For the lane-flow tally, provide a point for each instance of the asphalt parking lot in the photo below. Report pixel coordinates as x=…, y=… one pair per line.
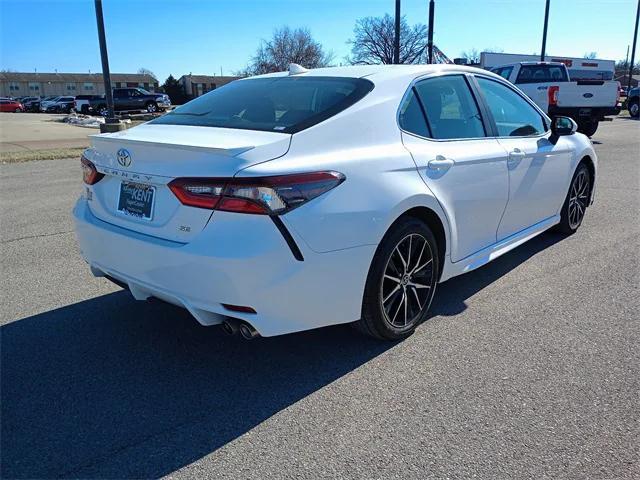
x=529, y=368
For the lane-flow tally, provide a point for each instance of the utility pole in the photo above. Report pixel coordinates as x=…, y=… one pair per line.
x=544, y=32
x=106, y=76
x=396, y=39
x=633, y=47
x=430, y=33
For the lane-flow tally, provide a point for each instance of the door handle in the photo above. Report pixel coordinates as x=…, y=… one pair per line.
x=517, y=154
x=440, y=163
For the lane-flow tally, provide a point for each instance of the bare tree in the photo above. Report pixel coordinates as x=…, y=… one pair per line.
x=373, y=41
x=473, y=55
x=146, y=71
x=590, y=55
x=285, y=47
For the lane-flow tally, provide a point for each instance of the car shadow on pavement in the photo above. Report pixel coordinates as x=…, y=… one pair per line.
x=451, y=295
x=114, y=388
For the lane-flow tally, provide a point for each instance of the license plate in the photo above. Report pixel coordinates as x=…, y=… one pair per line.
x=136, y=200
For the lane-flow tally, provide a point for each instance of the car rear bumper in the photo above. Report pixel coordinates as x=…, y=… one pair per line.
x=236, y=260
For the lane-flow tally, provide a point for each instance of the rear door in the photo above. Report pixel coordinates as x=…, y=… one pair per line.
x=539, y=170
x=466, y=170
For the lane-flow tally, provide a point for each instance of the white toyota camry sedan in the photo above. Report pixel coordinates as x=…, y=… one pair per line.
x=301, y=199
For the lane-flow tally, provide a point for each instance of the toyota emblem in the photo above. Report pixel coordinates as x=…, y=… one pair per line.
x=124, y=157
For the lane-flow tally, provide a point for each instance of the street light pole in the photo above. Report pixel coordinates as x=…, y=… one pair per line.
x=633, y=48
x=396, y=39
x=105, y=63
x=430, y=33
x=544, y=32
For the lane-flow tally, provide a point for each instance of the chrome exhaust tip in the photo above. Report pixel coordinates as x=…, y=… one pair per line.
x=248, y=332
x=229, y=327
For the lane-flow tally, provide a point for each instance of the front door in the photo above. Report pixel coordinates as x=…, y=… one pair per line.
x=539, y=171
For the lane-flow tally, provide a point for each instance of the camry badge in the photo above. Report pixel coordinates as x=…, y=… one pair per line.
x=124, y=157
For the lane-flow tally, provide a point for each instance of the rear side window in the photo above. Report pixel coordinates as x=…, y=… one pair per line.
x=513, y=115
x=411, y=117
x=542, y=74
x=450, y=108
x=279, y=104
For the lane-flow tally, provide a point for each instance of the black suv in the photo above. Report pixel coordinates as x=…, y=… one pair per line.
x=131, y=99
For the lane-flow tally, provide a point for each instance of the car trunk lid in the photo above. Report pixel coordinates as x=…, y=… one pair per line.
x=139, y=163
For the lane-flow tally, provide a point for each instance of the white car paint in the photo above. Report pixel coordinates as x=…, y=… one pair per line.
x=487, y=202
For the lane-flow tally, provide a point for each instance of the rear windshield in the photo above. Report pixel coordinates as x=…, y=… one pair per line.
x=542, y=74
x=278, y=104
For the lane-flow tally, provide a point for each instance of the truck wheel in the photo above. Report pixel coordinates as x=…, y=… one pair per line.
x=103, y=110
x=84, y=109
x=588, y=127
x=634, y=108
x=151, y=107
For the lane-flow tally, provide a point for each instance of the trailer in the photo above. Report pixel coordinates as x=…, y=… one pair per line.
x=579, y=68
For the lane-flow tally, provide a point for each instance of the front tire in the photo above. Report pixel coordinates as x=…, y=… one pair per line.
x=577, y=201
x=18, y=110
x=634, y=108
x=151, y=107
x=401, y=281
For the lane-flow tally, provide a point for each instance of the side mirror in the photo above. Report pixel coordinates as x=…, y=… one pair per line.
x=563, y=126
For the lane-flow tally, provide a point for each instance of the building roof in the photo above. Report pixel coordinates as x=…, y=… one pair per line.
x=208, y=78
x=74, y=77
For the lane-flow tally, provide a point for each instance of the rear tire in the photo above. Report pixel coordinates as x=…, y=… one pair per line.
x=401, y=282
x=634, y=108
x=588, y=127
x=577, y=201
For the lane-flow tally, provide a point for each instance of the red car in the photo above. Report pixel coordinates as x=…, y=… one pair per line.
x=10, y=106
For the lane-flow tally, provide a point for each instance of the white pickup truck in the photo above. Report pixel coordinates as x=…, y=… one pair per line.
x=548, y=84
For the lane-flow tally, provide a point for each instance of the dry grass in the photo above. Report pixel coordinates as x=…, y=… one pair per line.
x=30, y=155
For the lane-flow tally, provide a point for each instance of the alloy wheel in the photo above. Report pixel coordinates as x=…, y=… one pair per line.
x=634, y=109
x=578, y=199
x=151, y=108
x=405, y=290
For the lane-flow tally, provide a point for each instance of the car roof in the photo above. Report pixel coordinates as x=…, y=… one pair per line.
x=382, y=73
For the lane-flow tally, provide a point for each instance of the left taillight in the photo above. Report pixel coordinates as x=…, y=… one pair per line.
x=262, y=196
x=90, y=174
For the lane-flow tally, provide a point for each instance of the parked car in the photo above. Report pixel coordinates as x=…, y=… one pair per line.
x=58, y=105
x=34, y=105
x=82, y=103
x=132, y=99
x=633, y=102
x=11, y=106
x=25, y=100
x=286, y=202
x=548, y=84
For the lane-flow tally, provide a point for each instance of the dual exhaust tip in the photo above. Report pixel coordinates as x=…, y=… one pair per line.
x=233, y=327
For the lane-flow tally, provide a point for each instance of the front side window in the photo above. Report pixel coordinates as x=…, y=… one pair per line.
x=450, y=108
x=513, y=115
x=280, y=104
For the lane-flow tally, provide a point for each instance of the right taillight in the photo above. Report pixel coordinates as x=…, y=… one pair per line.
x=263, y=196
x=553, y=94
x=90, y=174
